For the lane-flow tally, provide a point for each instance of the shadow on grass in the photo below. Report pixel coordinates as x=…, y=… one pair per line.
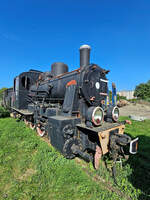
x=140, y=164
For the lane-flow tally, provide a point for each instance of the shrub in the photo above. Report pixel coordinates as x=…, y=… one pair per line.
x=142, y=91
x=4, y=112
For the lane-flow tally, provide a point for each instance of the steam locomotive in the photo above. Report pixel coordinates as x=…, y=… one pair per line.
x=72, y=109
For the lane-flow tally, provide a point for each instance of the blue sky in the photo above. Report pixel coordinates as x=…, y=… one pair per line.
x=36, y=33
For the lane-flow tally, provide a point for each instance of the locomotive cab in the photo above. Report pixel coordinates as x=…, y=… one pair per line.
x=22, y=84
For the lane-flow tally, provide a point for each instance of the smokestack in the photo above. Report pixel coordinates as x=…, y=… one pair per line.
x=84, y=55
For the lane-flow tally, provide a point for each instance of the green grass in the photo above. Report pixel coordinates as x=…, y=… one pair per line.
x=30, y=169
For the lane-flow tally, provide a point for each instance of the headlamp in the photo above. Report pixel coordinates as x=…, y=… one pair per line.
x=112, y=113
x=95, y=115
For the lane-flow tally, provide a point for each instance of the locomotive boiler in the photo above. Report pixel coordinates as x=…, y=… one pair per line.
x=71, y=108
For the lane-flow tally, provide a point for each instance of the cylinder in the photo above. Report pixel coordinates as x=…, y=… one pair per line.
x=84, y=55
x=58, y=68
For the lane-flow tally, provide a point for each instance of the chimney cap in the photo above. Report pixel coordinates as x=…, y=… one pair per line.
x=85, y=46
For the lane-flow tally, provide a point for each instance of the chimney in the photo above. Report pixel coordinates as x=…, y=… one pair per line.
x=84, y=55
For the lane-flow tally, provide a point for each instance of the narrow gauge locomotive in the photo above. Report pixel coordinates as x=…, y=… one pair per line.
x=70, y=108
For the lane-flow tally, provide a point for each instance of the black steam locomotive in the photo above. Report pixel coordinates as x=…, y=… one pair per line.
x=71, y=109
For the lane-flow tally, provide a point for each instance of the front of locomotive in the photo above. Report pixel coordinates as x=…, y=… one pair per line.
x=94, y=90
x=101, y=118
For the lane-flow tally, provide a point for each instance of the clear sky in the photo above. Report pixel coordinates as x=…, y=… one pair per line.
x=36, y=33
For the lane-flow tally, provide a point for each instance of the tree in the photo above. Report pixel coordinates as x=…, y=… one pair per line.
x=142, y=91
x=1, y=92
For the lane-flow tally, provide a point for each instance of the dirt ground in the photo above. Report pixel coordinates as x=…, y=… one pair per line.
x=138, y=110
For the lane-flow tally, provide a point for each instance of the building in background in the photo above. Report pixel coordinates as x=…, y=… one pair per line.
x=127, y=93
